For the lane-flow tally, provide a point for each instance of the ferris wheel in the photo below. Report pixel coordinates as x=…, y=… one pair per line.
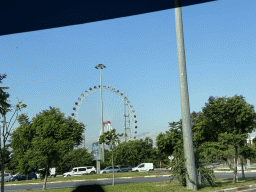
x=129, y=117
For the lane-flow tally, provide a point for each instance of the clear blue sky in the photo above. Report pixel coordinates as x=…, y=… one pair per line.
x=53, y=67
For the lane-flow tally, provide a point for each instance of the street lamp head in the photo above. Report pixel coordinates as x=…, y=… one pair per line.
x=101, y=66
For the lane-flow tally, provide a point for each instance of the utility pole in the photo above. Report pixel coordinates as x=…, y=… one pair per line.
x=101, y=66
x=185, y=110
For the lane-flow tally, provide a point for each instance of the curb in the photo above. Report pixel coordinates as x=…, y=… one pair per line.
x=237, y=188
x=101, y=179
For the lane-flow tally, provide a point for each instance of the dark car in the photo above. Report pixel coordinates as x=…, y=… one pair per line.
x=20, y=177
x=126, y=168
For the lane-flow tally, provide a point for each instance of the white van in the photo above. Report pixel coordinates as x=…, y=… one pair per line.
x=52, y=173
x=144, y=167
x=77, y=171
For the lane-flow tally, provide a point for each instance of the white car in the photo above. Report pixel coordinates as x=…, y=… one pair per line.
x=7, y=177
x=110, y=170
x=78, y=171
x=143, y=167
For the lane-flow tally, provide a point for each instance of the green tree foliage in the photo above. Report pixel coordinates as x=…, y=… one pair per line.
x=42, y=143
x=77, y=158
x=7, y=156
x=111, y=139
x=158, y=158
x=171, y=143
x=3, y=97
x=231, y=120
x=135, y=152
x=5, y=107
x=108, y=159
x=211, y=121
x=23, y=119
x=11, y=165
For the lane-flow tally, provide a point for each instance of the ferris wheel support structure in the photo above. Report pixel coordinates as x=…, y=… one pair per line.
x=128, y=111
x=126, y=102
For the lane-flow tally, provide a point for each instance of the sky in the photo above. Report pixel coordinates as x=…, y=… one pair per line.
x=54, y=67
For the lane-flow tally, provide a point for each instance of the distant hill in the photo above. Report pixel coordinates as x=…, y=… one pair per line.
x=153, y=135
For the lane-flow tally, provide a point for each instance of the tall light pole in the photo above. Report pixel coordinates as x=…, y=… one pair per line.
x=101, y=66
x=186, y=126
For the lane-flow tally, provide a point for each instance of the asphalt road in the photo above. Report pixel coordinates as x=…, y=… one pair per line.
x=107, y=182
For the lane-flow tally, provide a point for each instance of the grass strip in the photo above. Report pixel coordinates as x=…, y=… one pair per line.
x=166, y=186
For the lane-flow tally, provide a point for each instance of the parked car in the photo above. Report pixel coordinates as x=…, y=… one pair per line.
x=206, y=165
x=7, y=177
x=52, y=173
x=144, y=167
x=215, y=162
x=110, y=170
x=15, y=175
x=19, y=177
x=77, y=171
x=91, y=170
x=168, y=168
x=125, y=168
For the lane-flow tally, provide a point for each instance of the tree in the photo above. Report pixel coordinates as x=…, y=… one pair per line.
x=171, y=143
x=3, y=96
x=11, y=165
x=6, y=155
x=231, y=120
x=74, y=158
x=134, y=152
x=111, y=139
x=247, y=152
x=77, y=158
x=5, y=107
x=108, y=159
x=158, y=158
x=41, y=143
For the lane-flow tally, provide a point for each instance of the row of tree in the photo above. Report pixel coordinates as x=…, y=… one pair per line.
x=223, y=126
x=49, y=139
x=5, y=131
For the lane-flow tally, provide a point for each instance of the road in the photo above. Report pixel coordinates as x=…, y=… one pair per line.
x=107, y=182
